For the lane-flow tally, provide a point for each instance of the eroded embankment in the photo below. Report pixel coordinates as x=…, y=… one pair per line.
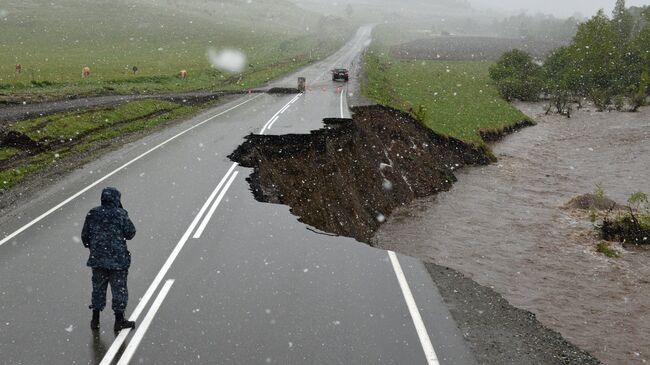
x=349, y=176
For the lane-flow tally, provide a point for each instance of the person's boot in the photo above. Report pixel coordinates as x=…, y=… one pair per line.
x=121, y=323
x=94, y=323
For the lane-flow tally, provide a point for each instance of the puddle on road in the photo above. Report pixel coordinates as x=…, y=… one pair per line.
x=502, y=225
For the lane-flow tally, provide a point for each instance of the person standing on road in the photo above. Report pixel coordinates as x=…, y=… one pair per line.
x=105, y=232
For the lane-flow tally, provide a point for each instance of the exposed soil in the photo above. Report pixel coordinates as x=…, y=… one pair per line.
x=283, y=90
x=18, y=140
x=461, y=48
x=505, y=226
x=591, y=201
x=348, y=177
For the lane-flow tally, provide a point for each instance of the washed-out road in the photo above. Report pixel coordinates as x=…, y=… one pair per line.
x=216, y=277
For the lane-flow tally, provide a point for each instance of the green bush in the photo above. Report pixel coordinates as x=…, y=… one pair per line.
x=517, y=76
x=604, y=248
x=631, y=227
x=619, y=102
x=601, y=98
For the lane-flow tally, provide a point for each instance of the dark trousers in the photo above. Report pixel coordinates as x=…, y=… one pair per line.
x=117, y=279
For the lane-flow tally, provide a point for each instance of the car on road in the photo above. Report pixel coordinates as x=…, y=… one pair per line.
x=340, y=74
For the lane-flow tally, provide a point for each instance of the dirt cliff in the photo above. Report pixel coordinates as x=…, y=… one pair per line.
x=348, y=177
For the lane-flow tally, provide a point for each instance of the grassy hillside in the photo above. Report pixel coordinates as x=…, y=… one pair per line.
x=454, y=98
x=53, y=41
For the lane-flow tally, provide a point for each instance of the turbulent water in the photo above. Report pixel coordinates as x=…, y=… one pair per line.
x=503, y=225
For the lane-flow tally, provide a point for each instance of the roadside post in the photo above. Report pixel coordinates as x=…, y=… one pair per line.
x=301, y=84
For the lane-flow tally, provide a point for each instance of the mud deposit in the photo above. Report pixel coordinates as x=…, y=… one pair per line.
x=343, y=186
x=503, y=225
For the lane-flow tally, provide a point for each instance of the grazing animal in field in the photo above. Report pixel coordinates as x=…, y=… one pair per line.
x=135, y=69
x=85, y=72
x=19, y=67
x=182, y=74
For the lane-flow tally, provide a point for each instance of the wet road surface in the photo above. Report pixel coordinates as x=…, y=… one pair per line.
x=216, y=276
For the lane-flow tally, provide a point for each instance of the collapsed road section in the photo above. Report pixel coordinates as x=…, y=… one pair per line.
x=347, y=177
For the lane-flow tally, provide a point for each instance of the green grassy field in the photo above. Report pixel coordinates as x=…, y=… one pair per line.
x=54, y=41
x=65, y=135
x=454, y=98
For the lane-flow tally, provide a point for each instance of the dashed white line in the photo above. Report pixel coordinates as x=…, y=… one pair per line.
x=199, y=231
x=63, y=203
x=429, y=352
x=142, y=327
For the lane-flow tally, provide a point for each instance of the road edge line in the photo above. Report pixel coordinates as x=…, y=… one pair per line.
x=425, y=341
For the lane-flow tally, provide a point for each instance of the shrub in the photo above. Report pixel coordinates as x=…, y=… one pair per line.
x=619, y=102
x=604, y=248
x=638, y=99
x=601, y=98
x=631, y=227
x=517, y=76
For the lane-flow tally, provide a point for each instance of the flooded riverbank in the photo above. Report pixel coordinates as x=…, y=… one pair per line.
x=503, y=226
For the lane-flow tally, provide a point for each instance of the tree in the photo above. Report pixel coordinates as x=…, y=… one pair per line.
x=598, y=56
x=561, y=80
x=517, y=76
x=623, y=21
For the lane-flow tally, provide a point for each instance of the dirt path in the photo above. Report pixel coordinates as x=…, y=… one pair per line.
x=502, y=225
x=14, y=112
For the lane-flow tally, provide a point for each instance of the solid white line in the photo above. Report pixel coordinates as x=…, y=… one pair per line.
x=342, y=91
x=119, y=340
x=429, y=352
x=266, y=125
x=199, y=231
x=272, y=121
x=285, y=108
x=142, y=327
x=58, y=206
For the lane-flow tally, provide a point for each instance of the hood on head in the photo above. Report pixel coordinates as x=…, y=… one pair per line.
x=111, y=198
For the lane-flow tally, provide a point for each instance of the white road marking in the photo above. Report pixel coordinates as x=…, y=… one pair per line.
x=142, y=327
x=273, y=118
x=199, y=231
x=285, y=107
x=112, y=351
x=342, y=91
x=58, y=206
x=429, y=352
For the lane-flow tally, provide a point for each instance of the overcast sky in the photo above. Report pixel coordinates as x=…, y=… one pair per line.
x=556, y=7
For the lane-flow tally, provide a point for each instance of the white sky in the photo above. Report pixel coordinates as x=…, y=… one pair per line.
x=556, y=7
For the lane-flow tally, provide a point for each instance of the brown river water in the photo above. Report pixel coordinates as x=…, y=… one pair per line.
x=503, y=226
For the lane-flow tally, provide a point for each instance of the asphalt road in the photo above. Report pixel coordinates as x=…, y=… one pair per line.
x=216, y=276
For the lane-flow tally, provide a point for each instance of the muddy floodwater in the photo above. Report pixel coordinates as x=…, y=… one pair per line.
x=503, y=226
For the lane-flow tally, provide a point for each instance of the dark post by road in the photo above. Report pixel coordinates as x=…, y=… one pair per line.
x=301, y=84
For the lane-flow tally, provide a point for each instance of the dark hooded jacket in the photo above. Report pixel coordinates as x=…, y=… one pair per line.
x=105, y=231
